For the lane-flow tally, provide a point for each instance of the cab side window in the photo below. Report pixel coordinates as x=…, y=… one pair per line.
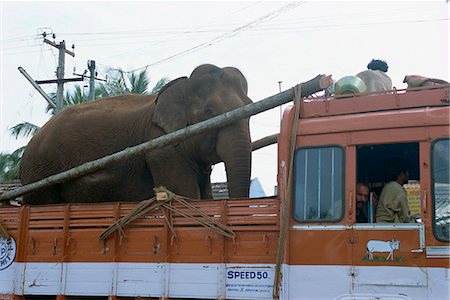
x=319, y=186
x=441, y=189
x=372, y=168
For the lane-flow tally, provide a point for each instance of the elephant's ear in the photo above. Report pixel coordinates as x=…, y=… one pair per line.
x=170, y=111
x=238, y=77
x=239, y=81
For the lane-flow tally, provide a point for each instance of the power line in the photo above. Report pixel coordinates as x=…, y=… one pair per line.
x=194, y=30
x=187, y=30
x=334, y=26
x=290, y=26
x=222, y=37
x=19, y=39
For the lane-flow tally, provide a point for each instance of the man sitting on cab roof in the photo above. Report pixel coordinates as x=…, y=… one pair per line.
x=393, y=203
x=375, y=76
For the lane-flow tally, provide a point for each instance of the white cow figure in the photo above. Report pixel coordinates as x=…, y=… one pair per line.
x=382, y=246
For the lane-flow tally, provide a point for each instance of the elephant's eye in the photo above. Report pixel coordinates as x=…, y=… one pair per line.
x=203, y=90
x=209, y=112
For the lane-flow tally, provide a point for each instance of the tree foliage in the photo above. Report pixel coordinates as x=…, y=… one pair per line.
x=9, y=165
x=24, y=129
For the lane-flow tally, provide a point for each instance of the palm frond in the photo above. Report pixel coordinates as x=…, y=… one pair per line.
x=139, y=82
x=159, y=85
x=19, y=152
x=24, y=129
x=119, y=83
x=116, y=85
x=76, y=97
x=13, y=172
x=101, y=91
x=9, y=166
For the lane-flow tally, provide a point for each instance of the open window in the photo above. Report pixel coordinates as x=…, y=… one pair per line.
x=371, y=169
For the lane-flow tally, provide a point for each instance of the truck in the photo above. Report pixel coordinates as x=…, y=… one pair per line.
x=303, y=243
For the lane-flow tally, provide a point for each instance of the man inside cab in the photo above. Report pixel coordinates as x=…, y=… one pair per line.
x=393, y=204
x=364, y=207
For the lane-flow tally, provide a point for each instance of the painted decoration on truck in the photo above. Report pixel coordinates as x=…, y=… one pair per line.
x=413, y=194
x=249, y=282
x=7, y=252
x=389, y=247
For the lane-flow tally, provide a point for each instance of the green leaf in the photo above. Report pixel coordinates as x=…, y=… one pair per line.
x=24, y=129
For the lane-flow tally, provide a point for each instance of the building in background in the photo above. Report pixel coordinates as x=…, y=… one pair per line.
x=220, y=189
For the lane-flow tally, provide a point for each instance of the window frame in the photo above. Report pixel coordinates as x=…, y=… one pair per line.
x=343, y=184
x=432, y=183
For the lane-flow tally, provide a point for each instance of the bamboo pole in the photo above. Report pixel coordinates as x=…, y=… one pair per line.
x=265, y=141
x=316, y=84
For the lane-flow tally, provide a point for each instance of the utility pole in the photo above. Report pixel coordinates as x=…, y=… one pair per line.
x=91, y=67
x=37, y=87
x=92, y=78
x=281, y=106
x=58, y=106
x=60, y=76
x=60, y=71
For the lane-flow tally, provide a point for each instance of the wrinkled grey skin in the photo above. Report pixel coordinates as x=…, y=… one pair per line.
x=88, y=131
x=375, y=80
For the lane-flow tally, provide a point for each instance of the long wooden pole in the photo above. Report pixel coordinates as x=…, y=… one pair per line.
x=37, y=87
x=316, y=84
x=265, y=141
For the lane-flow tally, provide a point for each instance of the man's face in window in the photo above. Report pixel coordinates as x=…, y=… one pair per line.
x=362, y=194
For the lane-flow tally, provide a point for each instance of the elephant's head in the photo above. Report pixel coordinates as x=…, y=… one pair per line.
x=208, y=92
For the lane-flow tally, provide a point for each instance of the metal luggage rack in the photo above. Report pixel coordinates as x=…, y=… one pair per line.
x=312, y=107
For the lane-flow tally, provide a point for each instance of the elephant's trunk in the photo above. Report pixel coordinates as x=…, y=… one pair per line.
x=234, y=148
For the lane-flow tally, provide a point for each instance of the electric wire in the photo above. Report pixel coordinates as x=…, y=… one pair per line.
x=271, y=28
x=188, y=30
x=196, y=29
x=222, y=37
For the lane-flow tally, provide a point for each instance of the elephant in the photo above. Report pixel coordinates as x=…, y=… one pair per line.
x=95, y=129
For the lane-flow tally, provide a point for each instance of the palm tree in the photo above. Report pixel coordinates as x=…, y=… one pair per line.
x=120, y=83
x=129, y=83
x=23, y=129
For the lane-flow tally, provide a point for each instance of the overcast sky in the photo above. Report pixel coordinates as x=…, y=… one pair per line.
x=268, y=41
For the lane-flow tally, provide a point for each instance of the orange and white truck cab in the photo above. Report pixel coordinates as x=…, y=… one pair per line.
x=307, y=237
x=344, y=141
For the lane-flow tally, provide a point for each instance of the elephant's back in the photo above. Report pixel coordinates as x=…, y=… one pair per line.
x=121, y=104
x=86, y=132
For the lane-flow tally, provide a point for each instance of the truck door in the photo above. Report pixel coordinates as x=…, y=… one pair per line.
x=319, y=253
x=388, y=257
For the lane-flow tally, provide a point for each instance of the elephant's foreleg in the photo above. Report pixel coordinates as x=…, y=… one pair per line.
x=177, y=178
x=204, y=182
